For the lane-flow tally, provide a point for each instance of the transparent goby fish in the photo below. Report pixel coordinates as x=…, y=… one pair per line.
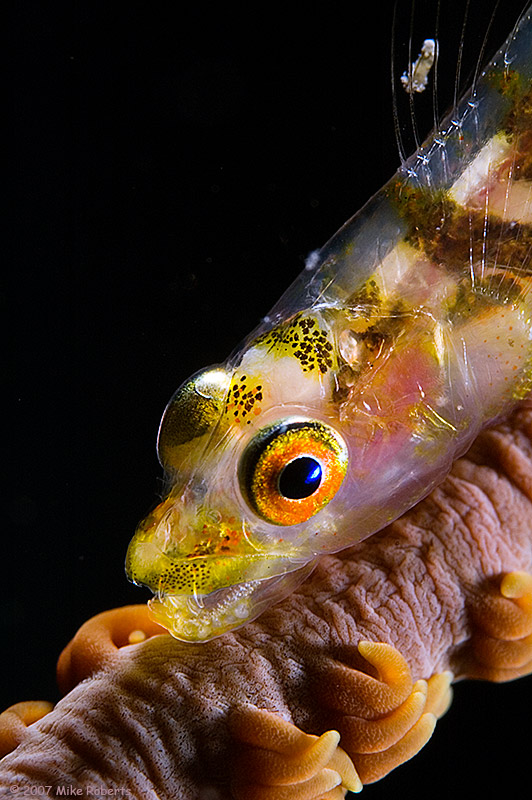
x=405, y=334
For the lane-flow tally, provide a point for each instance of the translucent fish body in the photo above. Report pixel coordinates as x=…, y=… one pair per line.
x=409, y=331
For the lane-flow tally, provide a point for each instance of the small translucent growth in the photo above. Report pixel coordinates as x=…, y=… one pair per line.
x=415, y=79
x=312, y=260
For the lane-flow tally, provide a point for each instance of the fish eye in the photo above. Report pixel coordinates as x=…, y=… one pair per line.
x=291, y=470
x=194, y=408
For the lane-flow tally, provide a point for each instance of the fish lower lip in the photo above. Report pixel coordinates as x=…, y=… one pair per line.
x=200, y=617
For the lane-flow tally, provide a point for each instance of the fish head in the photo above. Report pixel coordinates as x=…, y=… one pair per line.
x=315, y=435
x=253, y=458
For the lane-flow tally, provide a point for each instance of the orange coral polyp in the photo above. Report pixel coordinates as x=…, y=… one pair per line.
x=294, y=444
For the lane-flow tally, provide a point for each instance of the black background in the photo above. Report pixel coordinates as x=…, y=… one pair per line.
x=169, y=172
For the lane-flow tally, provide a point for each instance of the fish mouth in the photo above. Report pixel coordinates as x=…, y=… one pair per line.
x=198, y=598
x=200, y=617
x=197, y=618
x=209, y=578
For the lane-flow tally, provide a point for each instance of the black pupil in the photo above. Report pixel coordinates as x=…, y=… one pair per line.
x=300, y=478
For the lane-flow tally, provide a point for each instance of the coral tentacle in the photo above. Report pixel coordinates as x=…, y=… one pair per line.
x=14, y=722
x=512, y=655
x=439, y=693
x=501, y=644
x=374, y=766
x=335, y=794
x=97, y=642
x=517, y=585
x=505, y=612
x=296, y=766
x=326, y=780
x=280, y=756
x=356, y=693
x=387, y=733
x=372, y=736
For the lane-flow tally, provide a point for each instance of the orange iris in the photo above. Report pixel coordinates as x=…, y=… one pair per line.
x=307, y=456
